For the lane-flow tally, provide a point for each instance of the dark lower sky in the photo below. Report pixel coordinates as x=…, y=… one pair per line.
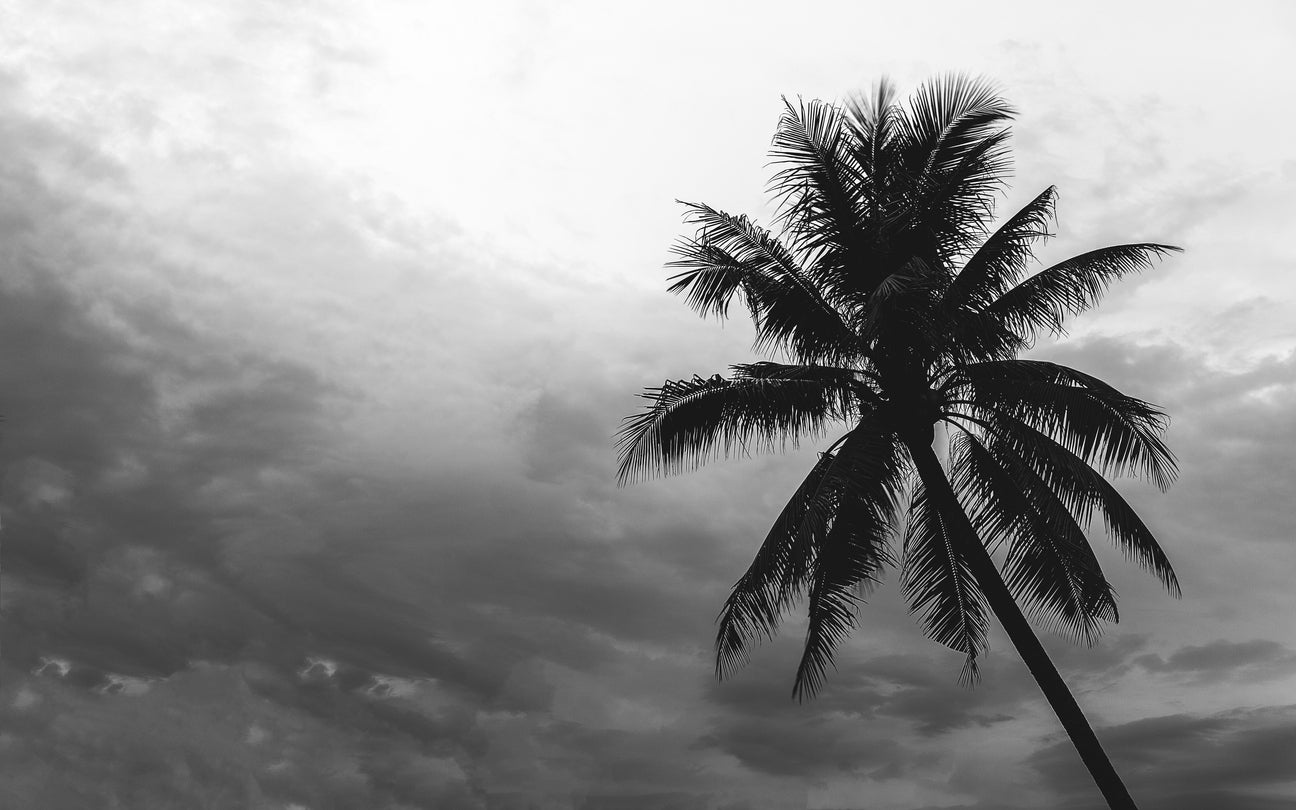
x=315, y=327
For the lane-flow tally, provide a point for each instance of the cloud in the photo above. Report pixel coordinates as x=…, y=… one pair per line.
x=307, y=493
x=208, y=735
x=172, y=515
x=489, y=635
x=192, y=534
x=884, y=720
x=1229, y=428
x=1242, y=758
x=1224, y=660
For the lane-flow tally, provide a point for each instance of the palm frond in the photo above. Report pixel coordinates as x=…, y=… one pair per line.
x=873, y=121
x=764, y=406
x=1001, y=259
x=1050, y=566
x=974, y=337
x=1118, y=433
x=855, y=549
x=1043, y=301
x=1082, y=490
x=818, y=190
x=956, y=157
x=939, y=584
x=950, y=117
x=778, y=573
x=730, y=255
x=950, y=211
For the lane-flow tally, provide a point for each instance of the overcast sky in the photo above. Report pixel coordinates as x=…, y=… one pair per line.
x=316, y=321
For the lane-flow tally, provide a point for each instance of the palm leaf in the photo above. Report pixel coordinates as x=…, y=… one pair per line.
x=778, y=572
x=1001, y=259
x=1043, y=301
x=1083, y=490
x=731, y=255
x=1050, y=566
x=1085, y=415
x=956, y=157
x=818, y=190
x=765, y=406
x=871, y=467
x=950, y=117
x=974, y=337
x=938, y=584
x=873, y=122
x=950, y=211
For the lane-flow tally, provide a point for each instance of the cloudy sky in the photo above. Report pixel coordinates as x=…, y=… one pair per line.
x=316, y=321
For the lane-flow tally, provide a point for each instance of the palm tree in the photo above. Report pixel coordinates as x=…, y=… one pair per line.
x=893, y=306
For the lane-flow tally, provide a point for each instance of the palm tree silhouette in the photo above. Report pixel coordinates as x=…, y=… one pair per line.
x=896, y=307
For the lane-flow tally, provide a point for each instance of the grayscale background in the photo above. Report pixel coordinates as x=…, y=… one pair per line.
x=317, y=319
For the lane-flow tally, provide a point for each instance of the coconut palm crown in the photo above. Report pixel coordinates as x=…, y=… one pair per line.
x=892, y=305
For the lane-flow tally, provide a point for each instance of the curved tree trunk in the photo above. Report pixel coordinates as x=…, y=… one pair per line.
x=1019, y=630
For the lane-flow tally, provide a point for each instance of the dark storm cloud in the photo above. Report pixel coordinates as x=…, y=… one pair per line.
x=186, y=537
x=120, y=513
x=1233, y=759
x=248, y=615
x=171, y=544
x=143, y=538
x=207, y=735
x=874, y=718
x=170, y=501
x=119, y=502
x=68, y=749
x=1224, y=660
x=201, y=550
x=567, y=436
x=758, y=723
x=806, y=745
x=1093, y=666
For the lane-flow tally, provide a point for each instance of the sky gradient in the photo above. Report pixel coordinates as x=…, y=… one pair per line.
x=317, y=320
